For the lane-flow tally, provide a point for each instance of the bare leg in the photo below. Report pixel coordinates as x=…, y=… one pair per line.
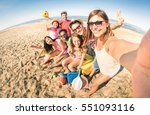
x=65, y=63
x=85, y=81
x=54, y=53
x=58, y=59
x=46, y=58
x=73, y=65
x=49, y=56
x=57, y=64
x=141, y=69
x=98, y=81
x=52, y=65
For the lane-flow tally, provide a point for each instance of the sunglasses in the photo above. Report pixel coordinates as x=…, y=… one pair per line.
x=97, y=23
x=62, y=36
x=78, y=27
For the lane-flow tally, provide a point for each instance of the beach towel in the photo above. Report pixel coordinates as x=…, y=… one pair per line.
x=86, y=67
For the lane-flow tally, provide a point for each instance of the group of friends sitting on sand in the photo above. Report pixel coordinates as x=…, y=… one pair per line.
x=72, y=43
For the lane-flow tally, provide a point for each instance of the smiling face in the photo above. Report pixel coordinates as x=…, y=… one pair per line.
x=77, y=28
x=64, y=16
x=55, y=24
x=48, y=40
x=98, y=25
x=63, y=36
x=76, y=41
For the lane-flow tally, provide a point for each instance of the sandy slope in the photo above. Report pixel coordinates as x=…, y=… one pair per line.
x=22, y=76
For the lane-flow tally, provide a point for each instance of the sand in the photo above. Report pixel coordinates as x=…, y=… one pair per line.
x=21, y=76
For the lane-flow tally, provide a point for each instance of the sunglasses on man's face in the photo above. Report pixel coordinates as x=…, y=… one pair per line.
x=97, y=23
x=62, y=36
x=78, y=27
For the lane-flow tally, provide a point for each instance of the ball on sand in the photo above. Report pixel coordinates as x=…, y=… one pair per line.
x=61, y=80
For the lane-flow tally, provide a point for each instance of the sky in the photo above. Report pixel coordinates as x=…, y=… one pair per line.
x=12, y=12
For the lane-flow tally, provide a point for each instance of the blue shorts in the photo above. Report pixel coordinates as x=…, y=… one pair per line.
x=95, y=64
x=121, y=68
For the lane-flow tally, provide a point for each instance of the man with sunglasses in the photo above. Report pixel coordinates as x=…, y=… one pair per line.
x=77, y=26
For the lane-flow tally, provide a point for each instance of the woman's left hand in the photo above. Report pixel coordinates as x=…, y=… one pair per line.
x=79, y=67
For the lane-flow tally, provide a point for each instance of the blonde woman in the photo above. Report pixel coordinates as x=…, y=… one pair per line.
x=109, y=50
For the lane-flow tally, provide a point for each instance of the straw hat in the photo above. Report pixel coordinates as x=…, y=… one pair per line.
x=54, y=20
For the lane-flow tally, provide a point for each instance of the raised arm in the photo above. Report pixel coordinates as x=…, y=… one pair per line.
x=120, y=21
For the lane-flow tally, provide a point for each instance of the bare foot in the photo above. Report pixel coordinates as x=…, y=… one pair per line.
x=85, y=96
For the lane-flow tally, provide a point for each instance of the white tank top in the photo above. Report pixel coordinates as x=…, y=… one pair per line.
x=107, y=64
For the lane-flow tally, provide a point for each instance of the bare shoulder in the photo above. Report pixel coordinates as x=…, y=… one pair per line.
x=112, y=38
x=111, y=42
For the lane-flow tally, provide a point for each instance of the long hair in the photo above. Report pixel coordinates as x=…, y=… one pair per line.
x=65, y=31
x=48, y=47
x=71, y=41
x=102, y=14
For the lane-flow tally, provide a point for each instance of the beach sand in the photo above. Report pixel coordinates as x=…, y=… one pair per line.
x=23, y=76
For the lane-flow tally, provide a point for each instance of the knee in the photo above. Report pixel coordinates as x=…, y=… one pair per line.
x=70, y=67
x=46, y=58
x=64, y=63
x=95, y=84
